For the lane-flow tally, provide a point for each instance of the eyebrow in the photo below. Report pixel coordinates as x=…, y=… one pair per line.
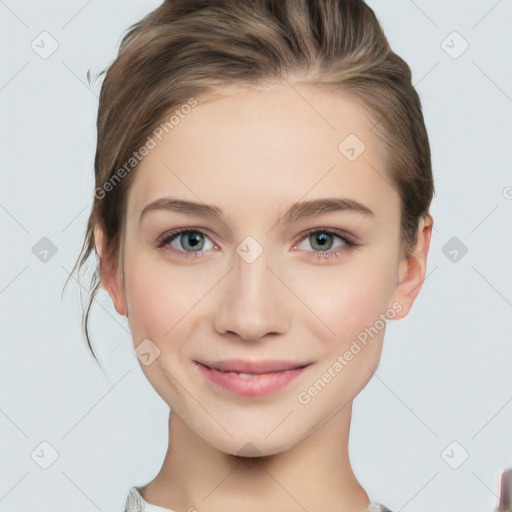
x=300, y=210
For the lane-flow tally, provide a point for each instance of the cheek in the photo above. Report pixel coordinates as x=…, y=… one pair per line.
x=350, y=297
x=155, y=299
x=164, y=299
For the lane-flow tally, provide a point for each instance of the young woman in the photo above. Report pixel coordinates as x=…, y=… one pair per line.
x=261, y=211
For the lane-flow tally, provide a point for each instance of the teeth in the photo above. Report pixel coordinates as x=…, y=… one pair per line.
x=244, y=375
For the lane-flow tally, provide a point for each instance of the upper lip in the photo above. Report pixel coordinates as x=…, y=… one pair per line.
x=256, y=367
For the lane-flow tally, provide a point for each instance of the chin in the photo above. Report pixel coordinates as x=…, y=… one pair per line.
x=251, y=446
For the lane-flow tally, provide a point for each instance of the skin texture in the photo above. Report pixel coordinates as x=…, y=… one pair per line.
x=253, y=153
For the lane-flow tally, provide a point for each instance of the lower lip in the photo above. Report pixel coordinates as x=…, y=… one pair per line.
x=262, y=384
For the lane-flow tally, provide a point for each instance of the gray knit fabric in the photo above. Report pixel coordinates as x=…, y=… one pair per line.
x=135, y=503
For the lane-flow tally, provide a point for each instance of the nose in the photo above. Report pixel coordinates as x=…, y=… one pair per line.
x=252, y=302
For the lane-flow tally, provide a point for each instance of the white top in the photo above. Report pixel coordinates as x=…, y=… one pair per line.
x=136, y=503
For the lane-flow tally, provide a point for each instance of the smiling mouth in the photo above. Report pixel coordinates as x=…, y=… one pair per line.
x=251, y=379
x=244, y=375
x=253, y=367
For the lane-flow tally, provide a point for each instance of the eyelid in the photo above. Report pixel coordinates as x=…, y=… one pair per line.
x=170, y=233
x=349, y=240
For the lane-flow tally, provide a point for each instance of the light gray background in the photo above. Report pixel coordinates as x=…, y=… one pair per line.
x=445, y=374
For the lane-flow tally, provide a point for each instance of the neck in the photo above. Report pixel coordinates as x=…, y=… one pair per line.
x=315, y=475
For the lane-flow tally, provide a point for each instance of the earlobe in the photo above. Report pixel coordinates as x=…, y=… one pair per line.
x=110, y=274
x=412, y=269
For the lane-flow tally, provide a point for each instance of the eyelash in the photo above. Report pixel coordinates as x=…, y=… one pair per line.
x=169, y=236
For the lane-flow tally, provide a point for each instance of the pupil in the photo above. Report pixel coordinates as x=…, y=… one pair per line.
x=323, y=238
x=194, y=238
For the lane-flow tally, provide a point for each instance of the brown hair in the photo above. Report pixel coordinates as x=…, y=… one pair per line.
x=187, y=48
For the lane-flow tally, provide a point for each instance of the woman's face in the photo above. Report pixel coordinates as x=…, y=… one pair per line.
x=262, y=275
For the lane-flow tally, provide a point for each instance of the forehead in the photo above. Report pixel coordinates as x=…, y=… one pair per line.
x=267, y=147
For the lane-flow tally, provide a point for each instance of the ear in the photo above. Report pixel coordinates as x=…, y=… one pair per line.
x=110, y=274
x=412, y=269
